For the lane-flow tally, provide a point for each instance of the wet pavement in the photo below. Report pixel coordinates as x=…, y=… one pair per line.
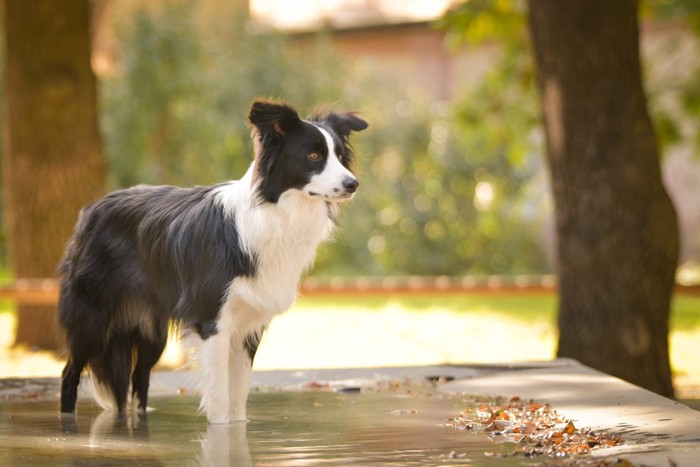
x=339, y=417
x=286, y=428
x=361, y=417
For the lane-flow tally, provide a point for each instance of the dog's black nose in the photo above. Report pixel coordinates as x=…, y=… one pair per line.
x=350, y=184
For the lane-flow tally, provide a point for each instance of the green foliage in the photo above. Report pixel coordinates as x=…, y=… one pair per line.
x=176, y=113
x=674, y=98
x=449, y=199
x=684, y=11
x=685, y=312
x=153, y=122
x=443, y=189
x=477, y=21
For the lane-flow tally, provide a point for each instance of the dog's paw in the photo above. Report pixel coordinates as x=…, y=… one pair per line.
x=219, y=419
x=238, y=416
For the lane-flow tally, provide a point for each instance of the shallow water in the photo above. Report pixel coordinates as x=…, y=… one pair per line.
x=286, y=429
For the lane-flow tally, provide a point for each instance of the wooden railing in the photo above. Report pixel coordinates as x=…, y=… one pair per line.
x=31, y=291
x=45, y=291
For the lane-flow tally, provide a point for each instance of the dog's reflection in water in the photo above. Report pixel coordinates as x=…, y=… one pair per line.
x=110, y=427
x=225, y=445
x=220, y=445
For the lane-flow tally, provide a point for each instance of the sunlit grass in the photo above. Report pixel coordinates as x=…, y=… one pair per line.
x=345, y=331
x=402, y=331
x=375, y=330
x=685, y=312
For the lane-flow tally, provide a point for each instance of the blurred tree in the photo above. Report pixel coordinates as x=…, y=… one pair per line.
x=617, y=228
x=53, y=162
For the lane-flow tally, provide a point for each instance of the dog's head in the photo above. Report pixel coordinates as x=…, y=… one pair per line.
x=312, y=156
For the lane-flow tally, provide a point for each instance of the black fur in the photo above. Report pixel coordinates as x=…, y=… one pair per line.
x=169, y=250
x=340, y=125
x=251, y=343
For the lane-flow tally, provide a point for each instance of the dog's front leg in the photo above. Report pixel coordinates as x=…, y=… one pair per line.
x=240, y=372
x=243, y=351
x=214, y=363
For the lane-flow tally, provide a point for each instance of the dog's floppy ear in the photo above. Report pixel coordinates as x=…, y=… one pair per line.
x=272, y=117
x=271, y=122
x=344, y=123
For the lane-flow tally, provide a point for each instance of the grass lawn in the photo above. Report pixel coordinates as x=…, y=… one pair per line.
x=338, y=331
x=372, y=331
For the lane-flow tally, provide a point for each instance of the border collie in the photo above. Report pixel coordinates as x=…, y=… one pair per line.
x=220, y=261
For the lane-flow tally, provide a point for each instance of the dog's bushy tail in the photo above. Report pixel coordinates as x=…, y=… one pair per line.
x=110, y=373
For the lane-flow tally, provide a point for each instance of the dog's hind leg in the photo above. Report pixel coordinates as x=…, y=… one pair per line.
x=111, y=372
x=82, y=324
x=69, y=384
x=82, y=346
x=149, y=348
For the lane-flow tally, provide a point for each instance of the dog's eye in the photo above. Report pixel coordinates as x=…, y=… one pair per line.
x=314, y=156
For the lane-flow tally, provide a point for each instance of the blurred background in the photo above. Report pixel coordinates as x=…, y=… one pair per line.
x=453, y=171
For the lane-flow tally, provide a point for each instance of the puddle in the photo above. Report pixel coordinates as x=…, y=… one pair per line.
x=286, y=429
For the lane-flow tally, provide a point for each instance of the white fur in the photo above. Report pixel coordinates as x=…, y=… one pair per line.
x=102, y=394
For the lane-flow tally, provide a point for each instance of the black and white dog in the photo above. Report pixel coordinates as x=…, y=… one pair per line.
x=220, y=260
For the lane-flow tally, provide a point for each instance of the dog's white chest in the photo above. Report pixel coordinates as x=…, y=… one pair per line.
x=282, y=240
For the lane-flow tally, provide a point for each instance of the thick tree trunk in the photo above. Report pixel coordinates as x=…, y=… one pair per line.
x=53, y=161
x=616, y=226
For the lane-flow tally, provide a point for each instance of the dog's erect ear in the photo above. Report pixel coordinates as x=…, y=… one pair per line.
x=344, y=123
x=273, y=117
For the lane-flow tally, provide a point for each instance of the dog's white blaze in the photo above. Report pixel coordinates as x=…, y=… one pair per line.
x=329, y=183
x=283, y=238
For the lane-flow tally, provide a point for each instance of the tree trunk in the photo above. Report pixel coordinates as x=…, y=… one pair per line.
x=53, y=161
x=616, y=226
